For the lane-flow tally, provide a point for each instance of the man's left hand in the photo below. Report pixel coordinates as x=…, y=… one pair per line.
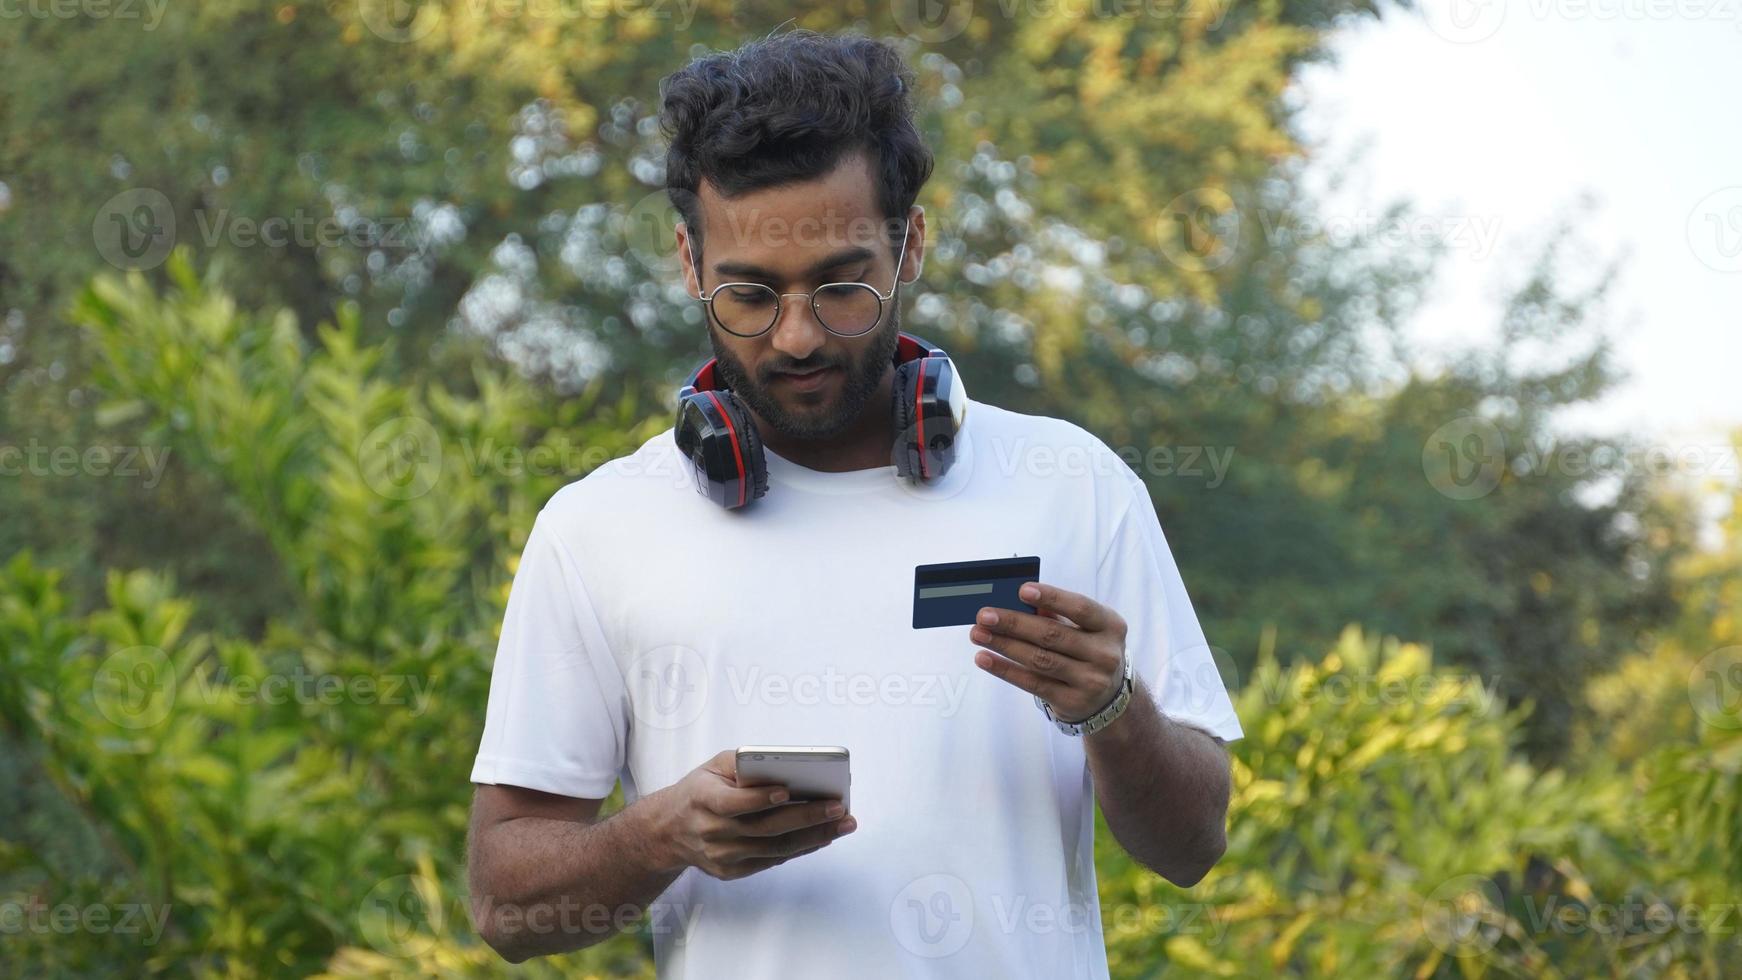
x=1070, y=653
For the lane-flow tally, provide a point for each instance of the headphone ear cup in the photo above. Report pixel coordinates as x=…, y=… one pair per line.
x=751, y=442
x=714, y=432
x=906, y=450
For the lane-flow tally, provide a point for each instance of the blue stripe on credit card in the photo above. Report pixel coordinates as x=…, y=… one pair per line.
x=953, y=593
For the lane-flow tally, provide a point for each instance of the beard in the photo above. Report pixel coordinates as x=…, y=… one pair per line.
x=827, y=420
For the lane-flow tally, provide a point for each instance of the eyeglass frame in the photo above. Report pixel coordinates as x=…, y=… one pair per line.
x=779, y=307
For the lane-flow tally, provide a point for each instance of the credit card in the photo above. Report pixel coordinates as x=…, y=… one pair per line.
x=953, y=593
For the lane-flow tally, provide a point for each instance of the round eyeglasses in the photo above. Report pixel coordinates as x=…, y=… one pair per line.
x=846, y=309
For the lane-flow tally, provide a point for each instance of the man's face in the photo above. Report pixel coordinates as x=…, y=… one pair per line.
x=793, y=239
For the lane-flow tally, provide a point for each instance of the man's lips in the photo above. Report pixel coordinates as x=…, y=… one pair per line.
x=810, y=381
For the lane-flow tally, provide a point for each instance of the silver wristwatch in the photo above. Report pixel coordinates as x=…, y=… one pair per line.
x=1100, y=719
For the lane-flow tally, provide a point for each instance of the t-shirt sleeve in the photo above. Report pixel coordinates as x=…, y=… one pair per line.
x=1137, y=577
x=556, y=719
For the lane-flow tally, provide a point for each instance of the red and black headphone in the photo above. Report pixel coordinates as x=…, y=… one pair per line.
x=715, y=432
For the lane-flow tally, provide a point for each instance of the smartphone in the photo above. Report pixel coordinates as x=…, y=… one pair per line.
x=809, y=772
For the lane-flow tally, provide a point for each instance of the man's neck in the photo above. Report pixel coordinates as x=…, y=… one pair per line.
x=866, y=444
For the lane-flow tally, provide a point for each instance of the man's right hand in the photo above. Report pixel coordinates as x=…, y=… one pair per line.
x=731, y=831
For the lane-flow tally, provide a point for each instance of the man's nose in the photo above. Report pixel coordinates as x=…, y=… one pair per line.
x=797, y=333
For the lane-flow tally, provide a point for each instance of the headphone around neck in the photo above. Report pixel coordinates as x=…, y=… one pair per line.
x=715, y=432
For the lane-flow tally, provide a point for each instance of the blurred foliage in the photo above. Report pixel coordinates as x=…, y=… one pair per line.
x=1122, y=235
x=1385, y=821
x=354, y=429
x=267, y=818
x=1383, y=824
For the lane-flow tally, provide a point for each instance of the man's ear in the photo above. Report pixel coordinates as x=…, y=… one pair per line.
x=687, y=258
x=915, y=247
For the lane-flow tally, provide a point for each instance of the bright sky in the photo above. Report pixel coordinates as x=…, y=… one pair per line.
x=1496, y=114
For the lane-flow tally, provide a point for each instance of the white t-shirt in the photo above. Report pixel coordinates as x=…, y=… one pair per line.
x=647, y=629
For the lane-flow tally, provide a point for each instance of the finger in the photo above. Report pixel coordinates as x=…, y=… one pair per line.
x=1089, y=615
x=1040, y=631
x=1016, y=675
x=735, y=801
x=788, y=818
x=724, y=764
x=763, y=864
x=789, y=844
x=1067, y=669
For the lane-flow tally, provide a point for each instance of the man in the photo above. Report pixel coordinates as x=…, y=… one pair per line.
x=649, y=632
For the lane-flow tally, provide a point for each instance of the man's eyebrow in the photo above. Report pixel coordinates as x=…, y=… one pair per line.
x=857, y=253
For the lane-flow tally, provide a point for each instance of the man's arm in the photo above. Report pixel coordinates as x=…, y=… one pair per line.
x=547, y=876
x=1164, y=787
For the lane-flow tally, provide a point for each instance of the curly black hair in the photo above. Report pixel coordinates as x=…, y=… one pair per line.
x=787, y=108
